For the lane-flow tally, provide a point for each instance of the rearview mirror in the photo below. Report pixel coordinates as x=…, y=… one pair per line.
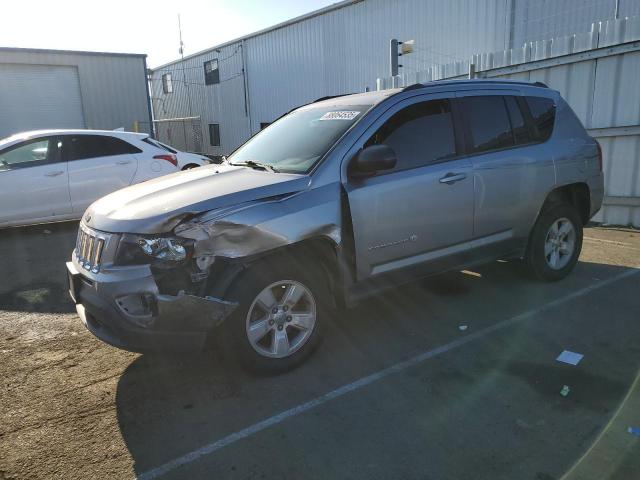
x=373, y=159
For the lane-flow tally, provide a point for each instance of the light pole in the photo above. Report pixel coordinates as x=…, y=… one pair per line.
x=396, y=50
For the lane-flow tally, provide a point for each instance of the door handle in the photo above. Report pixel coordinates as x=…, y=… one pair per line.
x=53, y=174
x=123, y=162
x=453, y=177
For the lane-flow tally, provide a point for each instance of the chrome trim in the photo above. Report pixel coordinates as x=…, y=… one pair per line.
x=90, y=247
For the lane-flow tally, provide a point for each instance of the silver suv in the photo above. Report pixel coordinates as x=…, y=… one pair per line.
x=335, y=201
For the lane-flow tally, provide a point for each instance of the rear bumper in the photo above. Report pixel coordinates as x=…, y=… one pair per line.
x=124, y=309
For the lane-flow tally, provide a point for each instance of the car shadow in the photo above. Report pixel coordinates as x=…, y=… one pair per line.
x=32, y=261
x=168, y=406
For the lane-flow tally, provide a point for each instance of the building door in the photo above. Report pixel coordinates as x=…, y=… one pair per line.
x=39, y=97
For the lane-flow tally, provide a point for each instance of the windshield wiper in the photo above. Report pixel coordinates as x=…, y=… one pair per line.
x=254, y=164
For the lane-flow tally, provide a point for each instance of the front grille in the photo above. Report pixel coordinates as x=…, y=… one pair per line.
x=89, y=248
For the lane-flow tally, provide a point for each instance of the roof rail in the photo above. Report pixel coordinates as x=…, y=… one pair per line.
x=435, y=83
x=329, y=97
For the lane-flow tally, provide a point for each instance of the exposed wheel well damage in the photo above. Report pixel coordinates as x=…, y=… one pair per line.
x=576, y=194
x=318, y=255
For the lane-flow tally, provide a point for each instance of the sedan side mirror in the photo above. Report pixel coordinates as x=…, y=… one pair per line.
x=373, y=159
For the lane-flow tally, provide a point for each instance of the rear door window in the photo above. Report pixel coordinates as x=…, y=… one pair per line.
x=420, y=134
x=488, y=123
x=543, y=112
x=91, y=146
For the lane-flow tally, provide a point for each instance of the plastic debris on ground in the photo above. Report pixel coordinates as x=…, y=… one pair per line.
x=46, y=232
x=462, y=328
x=565, y=390
x=634, y=431
x=572, y=358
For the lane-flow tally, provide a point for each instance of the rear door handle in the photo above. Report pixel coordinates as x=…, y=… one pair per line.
x=123, y=162
x=453, y=177
x=53, y=174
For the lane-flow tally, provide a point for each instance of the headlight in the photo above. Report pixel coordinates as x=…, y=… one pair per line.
x=163, y=248
x=159, y=251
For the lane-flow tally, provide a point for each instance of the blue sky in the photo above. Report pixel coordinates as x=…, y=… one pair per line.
x=141, y=26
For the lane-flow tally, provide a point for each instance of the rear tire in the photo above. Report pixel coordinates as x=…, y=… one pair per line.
x=279, y=319
x=555, y=243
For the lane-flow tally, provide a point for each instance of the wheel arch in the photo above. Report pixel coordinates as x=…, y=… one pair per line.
x=576, y=194
x=320, y=253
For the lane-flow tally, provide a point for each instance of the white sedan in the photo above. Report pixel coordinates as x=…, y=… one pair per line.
x=54, y=175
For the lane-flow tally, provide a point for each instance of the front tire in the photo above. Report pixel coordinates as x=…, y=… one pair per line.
x=278, y=322
x=555, y=243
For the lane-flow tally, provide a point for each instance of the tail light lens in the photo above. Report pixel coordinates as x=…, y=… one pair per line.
x=170, y=157
x=599, y=155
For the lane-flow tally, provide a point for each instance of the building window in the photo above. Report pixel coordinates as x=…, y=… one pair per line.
x=167, y=84
x=214, y=134
x=211, y=72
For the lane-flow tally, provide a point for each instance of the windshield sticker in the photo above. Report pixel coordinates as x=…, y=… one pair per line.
x=342, y=115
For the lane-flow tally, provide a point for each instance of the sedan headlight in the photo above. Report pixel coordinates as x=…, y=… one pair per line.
x=159, y=251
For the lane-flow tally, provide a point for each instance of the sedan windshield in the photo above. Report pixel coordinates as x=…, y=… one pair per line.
x=297, y=141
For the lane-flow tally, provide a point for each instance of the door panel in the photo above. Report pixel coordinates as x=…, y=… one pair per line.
x=99, y=174
x=33, y=183
x=423, y=206
x=509, y=170
x=405, y=214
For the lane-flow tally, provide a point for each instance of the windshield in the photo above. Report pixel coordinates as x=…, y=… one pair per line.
x=297, y=141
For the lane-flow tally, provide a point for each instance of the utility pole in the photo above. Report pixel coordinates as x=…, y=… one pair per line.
x=184, y=75
x=186, y=86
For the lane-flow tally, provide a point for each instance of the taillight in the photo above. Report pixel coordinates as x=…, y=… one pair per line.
x=599, y=155
x=171, y=158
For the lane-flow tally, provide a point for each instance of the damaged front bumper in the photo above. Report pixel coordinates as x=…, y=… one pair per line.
x=124, y=308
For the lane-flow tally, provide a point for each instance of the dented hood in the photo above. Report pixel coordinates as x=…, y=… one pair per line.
x=158, y=205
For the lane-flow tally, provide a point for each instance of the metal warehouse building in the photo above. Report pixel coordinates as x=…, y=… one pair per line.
x=236, y=87
x=230, y=91
x=68, y=89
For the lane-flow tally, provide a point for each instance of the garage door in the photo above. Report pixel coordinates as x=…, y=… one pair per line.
x=39, y=96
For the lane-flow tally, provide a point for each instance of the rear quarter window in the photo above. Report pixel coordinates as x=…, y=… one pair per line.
x=543, y=113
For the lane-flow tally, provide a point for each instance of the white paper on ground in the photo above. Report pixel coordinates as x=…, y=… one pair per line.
x=572, y=358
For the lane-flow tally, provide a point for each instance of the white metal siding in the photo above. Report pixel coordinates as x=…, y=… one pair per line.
x=113, y=87
x=39, y=96
x=343, y=49
x=602, y=89
x=222, y=103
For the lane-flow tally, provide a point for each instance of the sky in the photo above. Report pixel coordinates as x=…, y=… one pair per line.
x=140, y=26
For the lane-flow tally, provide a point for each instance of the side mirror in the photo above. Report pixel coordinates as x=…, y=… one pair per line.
x=373, y=159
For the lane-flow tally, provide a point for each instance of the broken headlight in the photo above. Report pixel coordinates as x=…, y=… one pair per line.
x=159, y=251
x=162, y=248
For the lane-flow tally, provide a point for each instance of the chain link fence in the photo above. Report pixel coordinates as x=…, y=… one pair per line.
x=181, y=133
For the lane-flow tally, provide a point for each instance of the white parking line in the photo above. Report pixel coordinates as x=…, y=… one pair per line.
x=369, y=379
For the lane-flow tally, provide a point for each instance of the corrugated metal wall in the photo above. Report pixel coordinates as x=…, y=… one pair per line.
x=113, y=86
x=601, y=85
x=343, y=48
x=222, y=103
